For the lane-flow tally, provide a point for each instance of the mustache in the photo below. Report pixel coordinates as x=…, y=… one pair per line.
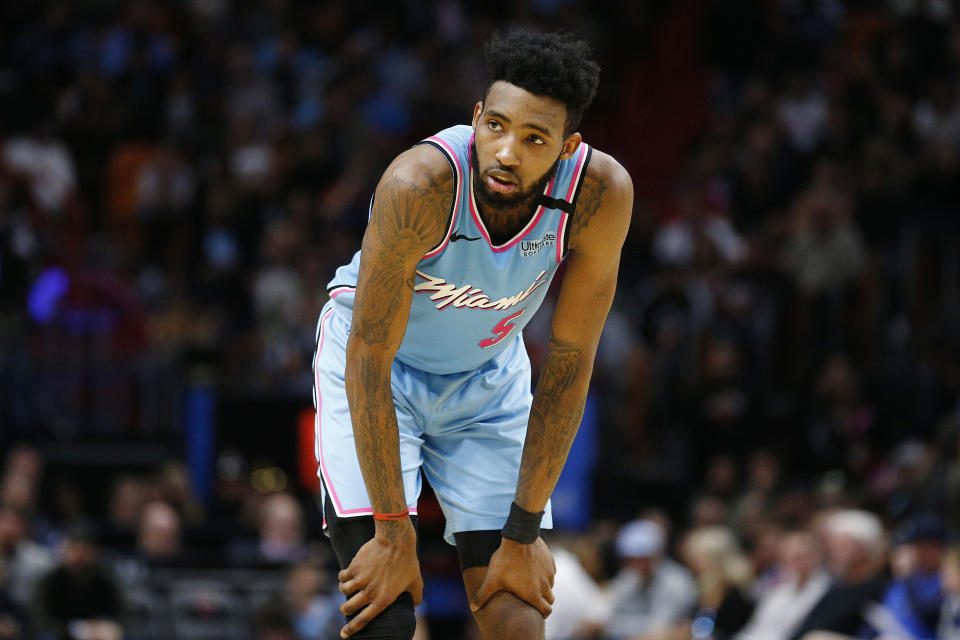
x=503, y=169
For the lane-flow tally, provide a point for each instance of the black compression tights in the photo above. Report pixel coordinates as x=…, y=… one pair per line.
x=347, y=535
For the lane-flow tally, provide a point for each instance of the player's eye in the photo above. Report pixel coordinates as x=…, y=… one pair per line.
x=494, y=125
x=537, y=140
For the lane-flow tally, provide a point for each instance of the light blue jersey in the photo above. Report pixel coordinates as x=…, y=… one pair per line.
x=461, y=379
x=471, y=297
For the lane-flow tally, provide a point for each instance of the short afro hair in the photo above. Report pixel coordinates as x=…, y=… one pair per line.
x=555, y=65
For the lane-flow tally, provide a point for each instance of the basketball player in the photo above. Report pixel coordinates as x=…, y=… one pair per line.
x=420, y=363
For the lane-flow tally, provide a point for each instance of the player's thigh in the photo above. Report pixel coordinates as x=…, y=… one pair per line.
x=335, y=446
x=474, y=443
x=504, y=616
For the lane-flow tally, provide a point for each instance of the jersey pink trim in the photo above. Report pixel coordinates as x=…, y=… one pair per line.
x=338, y=507
x=456, y=201
x=576, y=172
x=560, y=233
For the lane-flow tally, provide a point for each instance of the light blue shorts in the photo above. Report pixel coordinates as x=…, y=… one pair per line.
x=464, y=430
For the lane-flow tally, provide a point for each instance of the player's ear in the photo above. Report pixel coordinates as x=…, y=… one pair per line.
x=570, y=145
x=477, y=110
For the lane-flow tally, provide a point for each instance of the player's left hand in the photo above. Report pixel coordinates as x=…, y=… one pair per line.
x=525, y=570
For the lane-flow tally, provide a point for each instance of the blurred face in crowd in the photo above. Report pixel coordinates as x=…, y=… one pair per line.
x=950, y=572
x=13, y=529
x=851, y=559
x=764, y=470
x=126, y=502
x=159, y=535
x=25, y=462
x=18, y=490
x=303, y=584
x=78, y=555
x=929, y=555
x=642, y=566
x=519, y=141
x=799, y=554
x=281, y=520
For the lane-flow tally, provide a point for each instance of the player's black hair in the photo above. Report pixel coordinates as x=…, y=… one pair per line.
x=555, y=65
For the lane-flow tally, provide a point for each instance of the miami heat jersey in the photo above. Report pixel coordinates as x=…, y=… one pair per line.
x=471, y=297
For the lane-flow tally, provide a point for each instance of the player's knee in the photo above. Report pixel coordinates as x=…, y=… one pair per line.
x=524, y=625
x=514, y=620
x=396, y=622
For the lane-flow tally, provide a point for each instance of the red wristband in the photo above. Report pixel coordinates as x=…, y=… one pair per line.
x=391, y=516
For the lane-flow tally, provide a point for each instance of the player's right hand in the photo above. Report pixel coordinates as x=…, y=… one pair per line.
x=383, y=568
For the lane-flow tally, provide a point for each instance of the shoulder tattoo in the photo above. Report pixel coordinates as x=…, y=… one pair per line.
x=591, y=197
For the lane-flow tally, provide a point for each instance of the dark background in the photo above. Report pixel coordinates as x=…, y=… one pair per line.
x=178, y=181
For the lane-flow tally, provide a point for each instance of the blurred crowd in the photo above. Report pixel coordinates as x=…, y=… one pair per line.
x=777, y=393
x=158, y=564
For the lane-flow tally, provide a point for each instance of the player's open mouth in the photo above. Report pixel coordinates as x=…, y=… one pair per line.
x=500, y=185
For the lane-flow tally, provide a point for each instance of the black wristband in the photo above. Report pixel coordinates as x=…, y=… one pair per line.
x=522, y=526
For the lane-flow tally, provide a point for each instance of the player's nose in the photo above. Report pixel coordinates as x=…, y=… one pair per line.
x=506, y=153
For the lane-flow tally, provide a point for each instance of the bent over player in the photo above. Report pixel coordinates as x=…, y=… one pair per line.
x=420, y=362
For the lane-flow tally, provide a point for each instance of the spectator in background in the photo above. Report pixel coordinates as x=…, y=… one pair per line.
x=24, y=560
x=280, y=534
x=312, y=601
x=13, y=619
x=722, y=399
x=272, y=622
x=951, y=461
x=159, y=533
x=723, y=576
x=911, y=607
x=580, y=608
x=838, y=418
x=127, y=497
x=651, y=592
x=824, y=256
x=856, y=558
x=802, y=583
x=949, y=625
x=78, y=599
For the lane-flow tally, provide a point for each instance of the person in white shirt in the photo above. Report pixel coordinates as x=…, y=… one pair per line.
x=651, y=592
x=780, y=610
x=580, y=608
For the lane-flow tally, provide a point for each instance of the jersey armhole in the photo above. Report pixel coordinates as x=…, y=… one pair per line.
x=454, y=201
x=568, y=220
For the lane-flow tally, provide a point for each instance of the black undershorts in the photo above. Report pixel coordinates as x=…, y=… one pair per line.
x=347, y=535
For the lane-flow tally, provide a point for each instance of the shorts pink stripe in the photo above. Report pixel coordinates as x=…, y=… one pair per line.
x=335, y=292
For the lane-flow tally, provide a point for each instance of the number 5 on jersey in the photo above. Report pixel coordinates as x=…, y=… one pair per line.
x=501, y=330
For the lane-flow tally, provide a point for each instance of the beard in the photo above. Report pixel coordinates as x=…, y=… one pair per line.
x=491, y=199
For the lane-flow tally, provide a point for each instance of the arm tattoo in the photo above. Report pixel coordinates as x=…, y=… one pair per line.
x=406, y=217
x=591, y=196
x=555, y=416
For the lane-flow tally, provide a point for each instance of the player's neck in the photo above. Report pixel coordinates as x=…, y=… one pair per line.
x=505, y=222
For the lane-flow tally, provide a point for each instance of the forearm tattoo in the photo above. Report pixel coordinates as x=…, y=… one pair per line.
x=555, y=415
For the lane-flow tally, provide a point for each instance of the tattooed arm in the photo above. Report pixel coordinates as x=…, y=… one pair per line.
x=598, y=229
x=597, y=233
x=408, y=218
